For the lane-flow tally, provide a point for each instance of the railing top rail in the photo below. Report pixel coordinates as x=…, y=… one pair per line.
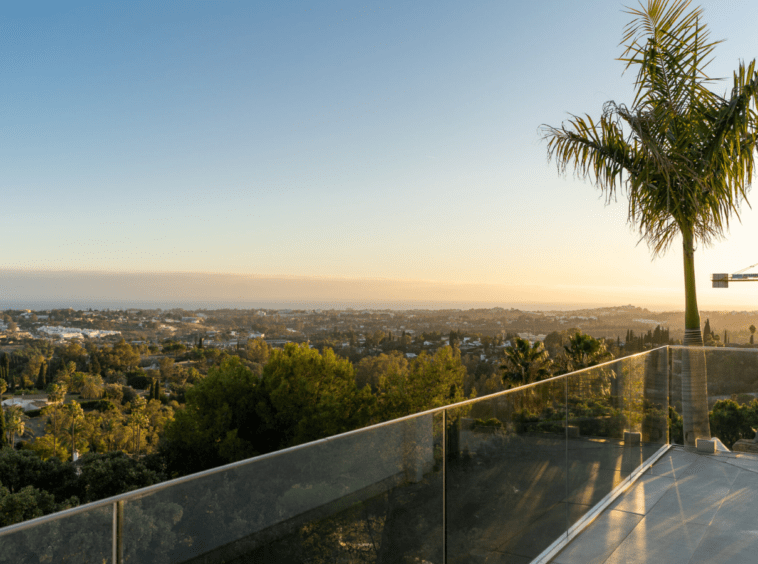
x=136, y=494
x=735, y=349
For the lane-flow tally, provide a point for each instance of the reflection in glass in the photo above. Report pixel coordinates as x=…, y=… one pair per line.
x=506, y=480
x=361, y=497
x=617, y=419
x=82, y=538
x=601, y=407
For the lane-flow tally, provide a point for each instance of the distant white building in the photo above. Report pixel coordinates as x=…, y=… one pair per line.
x=531, y=337
x=74, y=332
x=648, y=321
x=26, y=404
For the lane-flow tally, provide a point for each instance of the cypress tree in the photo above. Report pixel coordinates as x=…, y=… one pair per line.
x=5, y=366
x=11, y=378
x=41, y=380
x=96, y=368
x=707, y=329
x=2, y=428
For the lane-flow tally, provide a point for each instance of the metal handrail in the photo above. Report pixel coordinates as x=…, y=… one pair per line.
x=703, y=347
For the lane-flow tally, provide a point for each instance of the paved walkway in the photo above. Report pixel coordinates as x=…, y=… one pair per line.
x=689, y=508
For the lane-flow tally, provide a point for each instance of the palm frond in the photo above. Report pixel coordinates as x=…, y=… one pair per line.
x=667, y=42
x=688, y=154
x=595, y=151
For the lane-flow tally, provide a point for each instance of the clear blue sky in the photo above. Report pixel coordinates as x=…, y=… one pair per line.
x=331, y=139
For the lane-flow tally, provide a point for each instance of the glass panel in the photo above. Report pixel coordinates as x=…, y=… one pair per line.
x=506, y=475
x=732, y=376
x=646, y=406
x=676, y=430
x=370, y=496
x=84, y=538
x=732, y=391
x=656, y=400
x=617, y=420
x=599, y=413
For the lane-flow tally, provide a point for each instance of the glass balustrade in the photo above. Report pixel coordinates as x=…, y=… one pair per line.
x=502, y=476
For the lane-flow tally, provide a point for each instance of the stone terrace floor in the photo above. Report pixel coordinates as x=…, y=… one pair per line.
x=688, y=508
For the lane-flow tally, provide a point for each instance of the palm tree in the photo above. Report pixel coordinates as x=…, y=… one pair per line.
x=583, y=351
x=683, y=154
x=138, y=420
x=15, y=423
x=525, y=363
x=56, y=396
x=75, y=416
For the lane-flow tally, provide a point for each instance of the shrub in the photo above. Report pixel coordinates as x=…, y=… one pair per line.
x=113, y=392
x=99, y=405
x=492, y=422
x=129, y=395
x=138, y=380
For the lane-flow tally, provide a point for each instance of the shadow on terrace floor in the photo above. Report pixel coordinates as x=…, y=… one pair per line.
x=689, y=508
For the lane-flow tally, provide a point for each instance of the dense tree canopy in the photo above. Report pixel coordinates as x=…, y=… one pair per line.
x=219, y=423
x=306, y=395
x=429, y=381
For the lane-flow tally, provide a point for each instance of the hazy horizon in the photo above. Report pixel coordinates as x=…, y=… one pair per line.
x=194, y=290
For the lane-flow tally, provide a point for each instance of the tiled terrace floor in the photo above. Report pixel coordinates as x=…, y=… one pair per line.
x=689, y=508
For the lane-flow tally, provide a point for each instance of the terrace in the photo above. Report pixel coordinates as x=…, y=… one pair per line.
x=689, y=507
x=578, y=468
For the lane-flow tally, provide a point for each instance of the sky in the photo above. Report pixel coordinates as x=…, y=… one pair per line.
x=327, y=151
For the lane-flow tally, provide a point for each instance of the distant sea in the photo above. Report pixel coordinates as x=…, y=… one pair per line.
x=36, y=304
x=43, y=290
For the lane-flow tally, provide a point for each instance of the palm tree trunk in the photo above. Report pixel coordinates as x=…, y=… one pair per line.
x=694, y=378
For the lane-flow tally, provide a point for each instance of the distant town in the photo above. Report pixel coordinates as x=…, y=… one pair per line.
x=349, y=331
